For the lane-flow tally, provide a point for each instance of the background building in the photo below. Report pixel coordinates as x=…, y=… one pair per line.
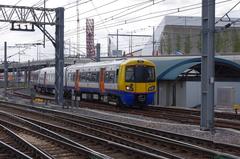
x=182, y=35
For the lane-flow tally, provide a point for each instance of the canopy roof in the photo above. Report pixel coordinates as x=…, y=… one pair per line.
x=169, y=68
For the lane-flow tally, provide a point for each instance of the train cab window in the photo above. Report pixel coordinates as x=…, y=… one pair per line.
x=140, y=74
x=150, y=74
x=129, y=75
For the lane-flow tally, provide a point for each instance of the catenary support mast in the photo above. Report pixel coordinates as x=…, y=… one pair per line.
x=59, y=60
x=207, y=67
x=38, y=16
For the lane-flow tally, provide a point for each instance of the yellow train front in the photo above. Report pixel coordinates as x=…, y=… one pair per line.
x=137, y=82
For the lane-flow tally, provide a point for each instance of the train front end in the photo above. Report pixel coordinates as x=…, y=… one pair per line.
x=138, y=82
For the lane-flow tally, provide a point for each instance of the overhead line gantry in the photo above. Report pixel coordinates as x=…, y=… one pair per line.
x=39, y=17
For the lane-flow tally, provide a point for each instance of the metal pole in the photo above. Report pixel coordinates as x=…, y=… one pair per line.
x=25, y=77
x=5, y=69
x=153, y=53
x=38, y=52
x=44, y=26
x=29, y=74
x=78, y=30
x=117, y=39
x=207, y=67
x=17, y=73
x=131, y=43
x=19, y=54
x=98, y=52
x=69, y=49
x=59, y=60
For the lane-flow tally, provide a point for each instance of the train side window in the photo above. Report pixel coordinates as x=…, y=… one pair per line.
x=94, y=77
x=74, y=77
x=97, y=76
x=109, y=77
x=112, y=77
x=81, y=76
x=69, y=76
x=106, y=74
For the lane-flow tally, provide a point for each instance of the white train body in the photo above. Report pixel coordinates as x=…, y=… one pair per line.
x=106, y=81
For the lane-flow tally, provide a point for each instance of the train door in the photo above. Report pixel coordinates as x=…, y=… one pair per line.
x=101, y=80
x=77, y=80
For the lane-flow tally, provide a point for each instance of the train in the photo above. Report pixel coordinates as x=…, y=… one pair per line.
x=127, y=82
x=14, y=77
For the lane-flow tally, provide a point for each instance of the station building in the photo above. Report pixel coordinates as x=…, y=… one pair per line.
x=182, y=35
x=177, y=53
x=179, y=81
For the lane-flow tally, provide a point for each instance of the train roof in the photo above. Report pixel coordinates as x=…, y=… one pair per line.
x=97, y=64
x=107, y=63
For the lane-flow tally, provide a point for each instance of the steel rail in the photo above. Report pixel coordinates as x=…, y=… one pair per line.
x=23, y=126
x=15, y=141
x=79, y=119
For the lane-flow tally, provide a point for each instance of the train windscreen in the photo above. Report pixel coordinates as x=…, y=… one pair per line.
x=140, y=74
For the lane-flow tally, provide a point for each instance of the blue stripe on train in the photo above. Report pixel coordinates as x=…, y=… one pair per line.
x=127, y=98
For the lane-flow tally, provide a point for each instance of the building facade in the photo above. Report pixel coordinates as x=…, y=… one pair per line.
x=178, y=35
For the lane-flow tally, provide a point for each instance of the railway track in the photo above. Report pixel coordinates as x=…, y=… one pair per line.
x=19, y=146
x=69, y=125
x=86, y=141
x=51, y=144
x=175, y=114
x=155, y=111
x=186, y=116
x=8, y=152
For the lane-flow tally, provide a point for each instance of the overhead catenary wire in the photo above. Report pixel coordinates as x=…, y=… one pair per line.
x=180, y=10
x=175, y=10
x=110, y=25
x=104, y=5
x=126, y=13
x=226, y=14
x=114, y=10
x=37, y=4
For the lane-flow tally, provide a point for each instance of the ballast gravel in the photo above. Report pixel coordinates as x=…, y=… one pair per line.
x=221, y=135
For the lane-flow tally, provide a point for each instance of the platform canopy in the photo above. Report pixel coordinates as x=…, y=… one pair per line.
x=189, y=68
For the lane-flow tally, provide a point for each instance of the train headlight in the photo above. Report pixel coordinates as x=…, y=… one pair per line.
x=152, y=88
x=129, y=88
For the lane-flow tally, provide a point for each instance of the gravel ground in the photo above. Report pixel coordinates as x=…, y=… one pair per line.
x=221, y=135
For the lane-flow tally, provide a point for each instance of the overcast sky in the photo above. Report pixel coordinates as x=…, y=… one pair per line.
x=129, y=16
